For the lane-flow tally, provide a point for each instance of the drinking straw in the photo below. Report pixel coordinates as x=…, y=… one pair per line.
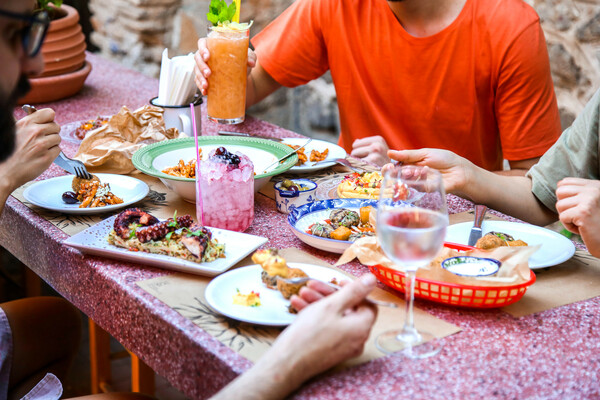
x=236, y=16
x=199, y=206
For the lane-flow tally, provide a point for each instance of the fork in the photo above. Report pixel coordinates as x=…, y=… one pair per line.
x=299, y=280
x=62, y=160
x=344, y=162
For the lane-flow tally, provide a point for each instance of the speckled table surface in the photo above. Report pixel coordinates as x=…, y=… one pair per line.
x=552, y=354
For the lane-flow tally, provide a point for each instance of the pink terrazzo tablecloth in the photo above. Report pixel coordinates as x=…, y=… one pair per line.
x=549, y=355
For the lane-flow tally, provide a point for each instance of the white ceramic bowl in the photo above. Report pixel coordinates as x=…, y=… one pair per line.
x=152, y=159
x=288, y=200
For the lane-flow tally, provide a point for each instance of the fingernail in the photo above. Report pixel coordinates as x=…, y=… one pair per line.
x=368, y=280
x=206, y=72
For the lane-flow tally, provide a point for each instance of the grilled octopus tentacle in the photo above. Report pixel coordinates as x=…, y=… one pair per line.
x=161, y=229
x=132, y=216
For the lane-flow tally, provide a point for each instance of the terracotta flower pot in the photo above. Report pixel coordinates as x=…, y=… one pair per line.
x=65, y=68
x=64, y=47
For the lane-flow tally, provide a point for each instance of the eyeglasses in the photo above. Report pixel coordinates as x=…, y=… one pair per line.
x=34, y=32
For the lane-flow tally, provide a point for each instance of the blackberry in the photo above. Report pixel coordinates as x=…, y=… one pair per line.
x=227, y=157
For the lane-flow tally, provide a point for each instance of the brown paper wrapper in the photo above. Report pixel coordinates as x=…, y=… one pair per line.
x=513, y=271
x=109, y=148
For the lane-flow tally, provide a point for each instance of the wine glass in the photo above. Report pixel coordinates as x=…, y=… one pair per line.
x=411, y=224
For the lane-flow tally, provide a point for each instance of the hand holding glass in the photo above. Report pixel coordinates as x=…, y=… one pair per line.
x=411, y=225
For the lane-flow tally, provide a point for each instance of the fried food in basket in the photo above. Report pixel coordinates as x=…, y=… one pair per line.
x=493, y=240
x=182, y=169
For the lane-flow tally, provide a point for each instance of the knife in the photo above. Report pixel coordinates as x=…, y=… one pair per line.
x=475, y=234
x=242, y=134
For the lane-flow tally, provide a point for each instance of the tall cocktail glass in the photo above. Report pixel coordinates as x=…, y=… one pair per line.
x=226, y=97
x=411, y=224
x=226, y=184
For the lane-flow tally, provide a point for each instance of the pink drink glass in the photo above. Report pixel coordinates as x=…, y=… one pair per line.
x=227, y=191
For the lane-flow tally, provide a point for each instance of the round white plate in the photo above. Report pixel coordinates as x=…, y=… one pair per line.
x=48, y=193
x=273, y=310
x=304, y=216
x=335, y=152
x=555, y=248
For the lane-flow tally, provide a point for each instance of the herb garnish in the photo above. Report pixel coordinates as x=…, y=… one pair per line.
x=133, y=228
x=220, y=12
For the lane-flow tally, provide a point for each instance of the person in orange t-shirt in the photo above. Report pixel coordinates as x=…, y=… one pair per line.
x=470, y=76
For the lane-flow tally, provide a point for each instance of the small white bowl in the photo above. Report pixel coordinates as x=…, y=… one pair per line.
x=287, y=200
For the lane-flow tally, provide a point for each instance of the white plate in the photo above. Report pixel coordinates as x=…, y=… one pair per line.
x=335, y=152
x=555, y=248
x=48, y=193
x=304, y=216
x=273, y=310
x=237, y=246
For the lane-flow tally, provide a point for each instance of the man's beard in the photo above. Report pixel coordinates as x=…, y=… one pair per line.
x=7, y=121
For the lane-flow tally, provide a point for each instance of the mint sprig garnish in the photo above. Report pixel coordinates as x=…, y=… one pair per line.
x=219, y=11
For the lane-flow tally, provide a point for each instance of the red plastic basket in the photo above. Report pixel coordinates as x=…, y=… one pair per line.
x=454, y=294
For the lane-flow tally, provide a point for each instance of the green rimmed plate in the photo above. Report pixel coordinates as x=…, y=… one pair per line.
x=152, y=159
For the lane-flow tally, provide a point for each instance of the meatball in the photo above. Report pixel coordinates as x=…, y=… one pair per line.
x=321, y=229
x=342, y=217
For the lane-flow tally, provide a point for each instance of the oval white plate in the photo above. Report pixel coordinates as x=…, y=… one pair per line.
x=273, y=310
x=335, y=152
x=555, y=248
x=48, y=193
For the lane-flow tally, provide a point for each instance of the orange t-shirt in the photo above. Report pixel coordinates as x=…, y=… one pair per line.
x=481, y=87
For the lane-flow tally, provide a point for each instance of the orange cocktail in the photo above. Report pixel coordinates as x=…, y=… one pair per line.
x=226, y=97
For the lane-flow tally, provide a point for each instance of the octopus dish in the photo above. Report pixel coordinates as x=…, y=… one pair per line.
x=137, y=230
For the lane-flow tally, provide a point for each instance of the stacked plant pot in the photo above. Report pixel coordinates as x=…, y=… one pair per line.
x=65, y=67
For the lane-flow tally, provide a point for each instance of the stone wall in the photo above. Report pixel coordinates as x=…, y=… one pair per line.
x=572, y=29
x=136, y=31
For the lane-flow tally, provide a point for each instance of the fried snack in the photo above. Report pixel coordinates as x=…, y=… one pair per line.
x=493, y=240
x=289, y=289
x=365, y=213
x=77, y=181
x=341, y=233
x=95, y=194
x=273, y=266
x=182, y=169
x=316, y=155
x=361, y=186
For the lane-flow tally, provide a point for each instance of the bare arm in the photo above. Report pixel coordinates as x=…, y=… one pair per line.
x=36, y=147
x=520, y=167
x=509, y=194
x=260, y=84
x=325, y=333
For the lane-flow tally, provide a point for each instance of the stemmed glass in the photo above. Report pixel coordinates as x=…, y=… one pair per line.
x=411, y=224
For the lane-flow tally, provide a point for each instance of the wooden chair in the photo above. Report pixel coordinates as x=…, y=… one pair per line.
x=142, y=376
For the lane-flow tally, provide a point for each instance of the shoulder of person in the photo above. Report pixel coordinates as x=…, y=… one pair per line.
x=499, y=16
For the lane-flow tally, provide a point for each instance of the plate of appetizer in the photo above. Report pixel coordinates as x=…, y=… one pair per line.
x=554, y=247
x=75, y=132
x=332, y=225
x=71, y=195
x=176, y=243
x=255, y=295
x=173, y=161
x=364, y=185
x=316, y=155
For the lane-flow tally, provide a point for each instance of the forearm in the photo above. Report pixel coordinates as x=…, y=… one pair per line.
x=269, y=379
x=6, y=188
x=511, y=195
x=260, y=84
